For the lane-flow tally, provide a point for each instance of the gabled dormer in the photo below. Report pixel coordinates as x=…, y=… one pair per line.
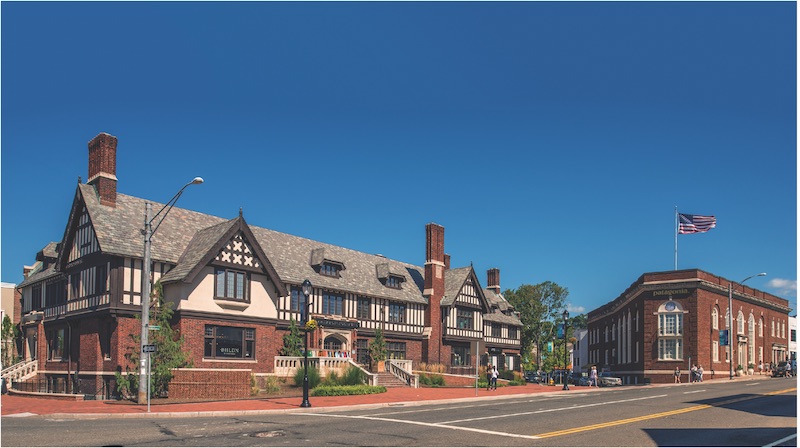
x=390, y=276
x=464, y=304
x=326, y=266
x=231, y=249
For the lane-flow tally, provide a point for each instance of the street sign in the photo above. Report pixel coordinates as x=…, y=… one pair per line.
x=149, y=348
x=154, y=327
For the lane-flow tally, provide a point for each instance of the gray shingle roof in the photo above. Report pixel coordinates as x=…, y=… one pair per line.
x=39, y=276
x=188, y=234
x=198, y=248
x=453, y=282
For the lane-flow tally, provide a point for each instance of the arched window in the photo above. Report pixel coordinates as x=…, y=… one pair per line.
x=670, y=331
x=761, y=327
x=333, y=343
x=740, y=323
x=715, y=318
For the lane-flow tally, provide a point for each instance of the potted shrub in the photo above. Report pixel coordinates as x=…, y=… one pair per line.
x=751, y=368
x=739, y=370
x=377, y=351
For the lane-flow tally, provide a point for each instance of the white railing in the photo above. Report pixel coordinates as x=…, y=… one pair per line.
x=21, y=371
x=402, y=370
x=287, y=365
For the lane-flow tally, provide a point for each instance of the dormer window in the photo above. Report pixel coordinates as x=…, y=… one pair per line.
x=329, y=269
x=393, y=282
x=231, y=284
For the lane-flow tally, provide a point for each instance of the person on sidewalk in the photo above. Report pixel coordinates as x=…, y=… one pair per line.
x=593, y=377
x=494, y=378
x=677, y=375
x=489, y=377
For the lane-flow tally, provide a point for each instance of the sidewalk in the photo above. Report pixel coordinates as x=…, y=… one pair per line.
x=20, y=405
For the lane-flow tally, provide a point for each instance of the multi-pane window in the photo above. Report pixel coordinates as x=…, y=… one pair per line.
x=715, y=318
x=715, y=350
x=230, y=284
x=328, y=269
x=362, y=351
x=56, y=345
x=363, y=308
x=497, y=330
x=793, y=335
x=513, y=333
x=393, y=282
x=229, y=342
x=670, y=331
x=464, y=318
x=298, y=302
x=396, y=350
x=75, y=286
x=36, y=297
x=56, y=293
x=740, y=323
x=332, y=303
x=397, y=313
x=101, y=280
x=461, y=356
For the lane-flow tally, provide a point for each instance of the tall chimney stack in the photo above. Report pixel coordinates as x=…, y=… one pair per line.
x=435, y=266
x=493, y=280
x=103, y=168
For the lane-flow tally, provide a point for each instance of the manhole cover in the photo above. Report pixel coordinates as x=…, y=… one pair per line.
x=269, y=434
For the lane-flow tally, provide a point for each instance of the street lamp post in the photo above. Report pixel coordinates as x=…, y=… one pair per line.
x=148, y=231
x=731, y=290
x=565, y=315
x=307, y=293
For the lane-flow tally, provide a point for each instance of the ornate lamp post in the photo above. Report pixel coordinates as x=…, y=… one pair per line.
x=731, y=290
x=565, y=315
x=148, y=232
x=307, y=293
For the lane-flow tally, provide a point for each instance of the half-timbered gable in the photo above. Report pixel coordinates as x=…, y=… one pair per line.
x=463, y=305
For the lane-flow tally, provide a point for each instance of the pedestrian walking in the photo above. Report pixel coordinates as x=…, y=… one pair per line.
x=693, y=375
x=593, y=377
x=760, y=366
x=699, y=374
x=677, y=375
x=494, y=378
x=489, y=377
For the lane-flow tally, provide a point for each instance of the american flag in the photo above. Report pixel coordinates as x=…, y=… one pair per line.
x=695, y=223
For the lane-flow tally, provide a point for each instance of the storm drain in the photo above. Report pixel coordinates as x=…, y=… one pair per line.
x=269, y=434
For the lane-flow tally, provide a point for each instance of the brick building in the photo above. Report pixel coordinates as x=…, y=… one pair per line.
x=236, y=287
x=673, y=319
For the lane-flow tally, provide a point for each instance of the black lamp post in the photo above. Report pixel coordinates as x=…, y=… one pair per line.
x=565, y=315
x=307, y=294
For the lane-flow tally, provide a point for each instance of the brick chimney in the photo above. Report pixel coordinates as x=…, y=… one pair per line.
x=103, y=168
x=434, y=290
x=493, y=280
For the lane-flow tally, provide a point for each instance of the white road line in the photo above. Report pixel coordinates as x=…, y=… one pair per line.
x=450, y=408
x=785, y=439
x=432, y=425
x=694, y=391
x=542, y=411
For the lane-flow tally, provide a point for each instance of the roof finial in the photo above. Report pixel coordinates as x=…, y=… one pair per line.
x=79, y=180
x=240, y=212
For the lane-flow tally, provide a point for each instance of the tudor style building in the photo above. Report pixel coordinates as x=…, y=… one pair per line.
x=236, y=287
x=669, y=319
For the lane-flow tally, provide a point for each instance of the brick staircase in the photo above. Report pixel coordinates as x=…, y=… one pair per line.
x=389, y=380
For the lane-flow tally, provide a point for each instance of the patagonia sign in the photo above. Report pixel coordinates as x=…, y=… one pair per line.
x=671, y=292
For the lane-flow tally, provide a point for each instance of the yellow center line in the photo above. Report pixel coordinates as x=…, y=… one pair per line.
x=651, y=416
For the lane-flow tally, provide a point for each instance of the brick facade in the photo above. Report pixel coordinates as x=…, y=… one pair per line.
x=631, y=349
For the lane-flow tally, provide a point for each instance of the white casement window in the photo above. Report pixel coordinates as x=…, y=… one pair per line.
x=715, y=351
x=740, y=323
x=751, y=339
x=761, y=327
x=772, y=328
x=715, y=318
x=670, y=331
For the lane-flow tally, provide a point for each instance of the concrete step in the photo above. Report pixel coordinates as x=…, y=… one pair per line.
x=389, y=380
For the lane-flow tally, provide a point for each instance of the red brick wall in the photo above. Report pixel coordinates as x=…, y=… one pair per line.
x=210, y=383
x=434, y=287
x=269, y=341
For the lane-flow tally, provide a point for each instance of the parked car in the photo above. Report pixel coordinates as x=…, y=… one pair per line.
x=608, y=379
x=579, y=379
x=535, y=377
x=783, y=369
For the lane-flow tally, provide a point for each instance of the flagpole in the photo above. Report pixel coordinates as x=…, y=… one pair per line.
x=676, y=237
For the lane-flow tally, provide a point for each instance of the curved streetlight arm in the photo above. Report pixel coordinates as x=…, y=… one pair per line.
x=171, y=203
x=761, y=274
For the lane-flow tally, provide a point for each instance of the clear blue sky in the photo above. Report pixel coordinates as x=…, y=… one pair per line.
x=551, y=140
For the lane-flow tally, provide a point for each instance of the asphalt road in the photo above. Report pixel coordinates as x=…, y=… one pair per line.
x=761, y=412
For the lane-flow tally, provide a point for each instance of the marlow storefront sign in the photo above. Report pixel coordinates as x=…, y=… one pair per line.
x=329, y=323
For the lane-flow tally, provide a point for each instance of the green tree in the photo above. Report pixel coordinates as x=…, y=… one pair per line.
x=169, y=353
x=9, y=335
x=540, y=307
x=292, y=341
x=377, y=348
x=579, y=322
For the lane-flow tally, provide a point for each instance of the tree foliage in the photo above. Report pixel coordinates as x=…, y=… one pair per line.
x=292, y=341
x=377, y=348
x=9, y=336
x=540, y=307
x=169, y=353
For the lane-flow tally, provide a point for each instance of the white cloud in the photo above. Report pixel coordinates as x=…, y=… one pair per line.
x=783, y=286
x=576, y=309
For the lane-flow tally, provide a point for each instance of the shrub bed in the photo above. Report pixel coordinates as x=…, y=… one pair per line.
x=330, y=391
